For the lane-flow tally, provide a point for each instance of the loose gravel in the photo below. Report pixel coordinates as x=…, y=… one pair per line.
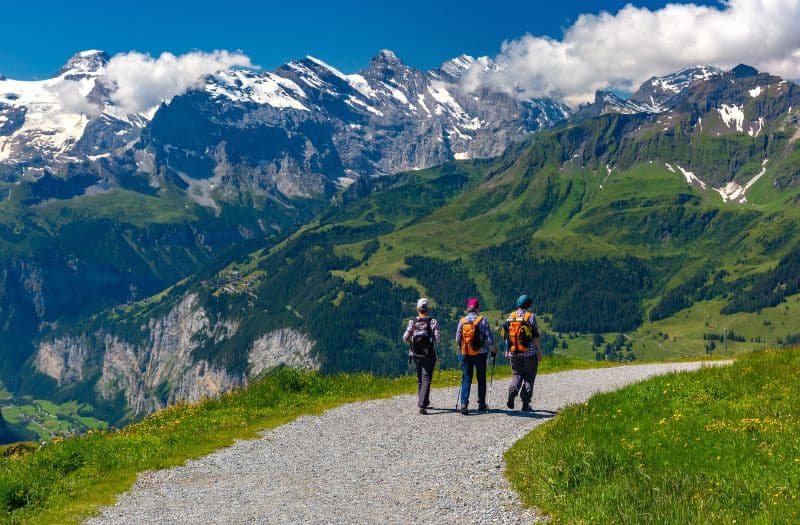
x=370, y=462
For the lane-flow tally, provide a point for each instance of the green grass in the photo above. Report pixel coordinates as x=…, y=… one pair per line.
x=68, y=480
x=718, y=446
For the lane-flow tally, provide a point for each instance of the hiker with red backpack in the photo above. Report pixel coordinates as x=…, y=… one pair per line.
x=421, y=335
x=523, y=350
x=474, y=338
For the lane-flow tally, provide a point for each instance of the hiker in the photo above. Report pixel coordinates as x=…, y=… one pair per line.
x=421, y=335
x=523, y=350
x=474, y=338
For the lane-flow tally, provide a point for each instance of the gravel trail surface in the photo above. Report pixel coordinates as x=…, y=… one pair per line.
x=369, y=462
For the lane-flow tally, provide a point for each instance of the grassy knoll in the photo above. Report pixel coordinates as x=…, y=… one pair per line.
x=718, y=446
x=67, y=480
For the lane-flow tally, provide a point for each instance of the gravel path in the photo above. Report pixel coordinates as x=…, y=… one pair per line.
x=371, y=462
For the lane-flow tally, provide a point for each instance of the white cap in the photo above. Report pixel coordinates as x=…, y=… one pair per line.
x=422, y=304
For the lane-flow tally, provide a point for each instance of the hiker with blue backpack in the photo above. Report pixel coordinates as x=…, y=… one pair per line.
x=474, y=338
x=523, y=350
x=421, y=336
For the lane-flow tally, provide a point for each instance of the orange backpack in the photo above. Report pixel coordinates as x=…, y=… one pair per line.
x=518, y=332
x=471, y=336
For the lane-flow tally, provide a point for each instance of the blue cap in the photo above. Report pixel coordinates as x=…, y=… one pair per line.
x=524, y=301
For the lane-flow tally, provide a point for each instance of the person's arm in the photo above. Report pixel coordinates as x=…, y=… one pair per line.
x=487, y=334
x=458, y=333
x=435, y=327
x=409, y=329
x=537, y=339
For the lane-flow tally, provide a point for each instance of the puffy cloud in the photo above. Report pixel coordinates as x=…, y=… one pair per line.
x=73, y=100
x=620, y=51
x=140, y=82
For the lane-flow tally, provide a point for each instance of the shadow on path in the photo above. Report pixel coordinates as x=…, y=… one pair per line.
x=536, y=414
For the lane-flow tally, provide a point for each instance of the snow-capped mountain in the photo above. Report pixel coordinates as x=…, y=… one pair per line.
x=657, y=93
x=608, y=102
x=66, y=118
x=306, y=128
x=302, y=129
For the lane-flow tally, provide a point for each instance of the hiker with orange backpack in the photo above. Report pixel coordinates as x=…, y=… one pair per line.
x=421, y=335
x=474, y=338
x=523, y=350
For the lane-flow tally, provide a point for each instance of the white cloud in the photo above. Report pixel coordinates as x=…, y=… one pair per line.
x=72, y=98
x=620, y=51
x=141, y=82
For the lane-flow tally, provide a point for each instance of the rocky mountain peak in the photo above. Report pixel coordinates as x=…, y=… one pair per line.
x=744, y=71
x=657, y=92
x=386, y=57
x=387, y=67
x=452, y=70
x=84, y=63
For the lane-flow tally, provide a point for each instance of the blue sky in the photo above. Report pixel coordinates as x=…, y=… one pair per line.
x=36, y=38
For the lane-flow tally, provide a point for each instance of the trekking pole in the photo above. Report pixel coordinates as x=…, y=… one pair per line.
x=491, y=381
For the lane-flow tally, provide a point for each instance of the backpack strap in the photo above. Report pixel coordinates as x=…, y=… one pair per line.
x=477, y=320
x=428, y=328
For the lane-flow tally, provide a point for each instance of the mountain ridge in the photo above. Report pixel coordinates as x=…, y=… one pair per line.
x=703, y=191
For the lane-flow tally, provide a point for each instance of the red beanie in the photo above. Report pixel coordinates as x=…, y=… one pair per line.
x=473, y=304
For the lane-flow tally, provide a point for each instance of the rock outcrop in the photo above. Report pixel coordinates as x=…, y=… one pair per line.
x=161, y=370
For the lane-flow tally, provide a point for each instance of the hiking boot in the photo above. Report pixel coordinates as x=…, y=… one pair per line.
x=464, y=410
x=526, y=407
x=423, y=411
x=510, y=402
x=483, y=407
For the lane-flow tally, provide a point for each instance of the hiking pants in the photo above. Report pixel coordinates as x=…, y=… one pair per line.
x=523, y=372
x=468, y=364
x=425, y=366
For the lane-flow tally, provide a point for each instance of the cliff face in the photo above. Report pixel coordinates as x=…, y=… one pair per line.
x=162, y=371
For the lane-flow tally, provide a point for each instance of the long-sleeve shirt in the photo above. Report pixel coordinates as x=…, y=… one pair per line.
x=534, y=330
x=410, y=331
x=483, y=326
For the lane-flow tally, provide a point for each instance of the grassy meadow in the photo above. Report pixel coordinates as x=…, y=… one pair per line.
x=718, y=446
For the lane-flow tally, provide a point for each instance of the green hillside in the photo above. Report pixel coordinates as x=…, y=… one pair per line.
x=67, y=256
x=625, y=229
x=632, y=250
x=716, y=446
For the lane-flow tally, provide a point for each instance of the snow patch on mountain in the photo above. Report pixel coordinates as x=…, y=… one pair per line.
x=734, y=192
x=355, y=81
x=754, y=133
x=353, y=101
x=732, y=114
x=679, y=80
x=55, y=113
x=756, y=91
x=399, y=95
x=361, y=85
x=691, y=177
x=244, y=86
